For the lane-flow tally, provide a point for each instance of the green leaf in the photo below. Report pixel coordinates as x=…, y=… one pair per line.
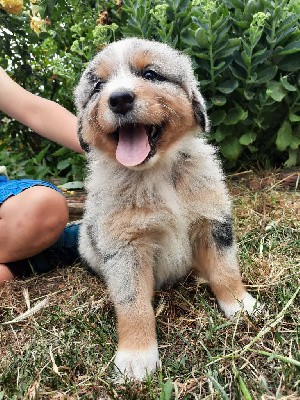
x=246, y=58
x=238, y=72
x=234, y=115
x=243, y=388
x=289, y=28
x=166, y=390
x=291, y=48
x=251, y=8
x=188, y=37
x=266, y=74
x=294, y=117
x=219, y=134
x=261, y=56
x=287, y=85
x=63, y=164
x=294, y=155
x=231, y=46
x=233, y=42
x=212, y=38
x=276, y=90
x=218, y=100
x=41, y=155
x=202, y=56
x=218, y=387
x=295, y=143
x=284, y=136
x=201, y=37
x=227, y=51
x=231, y=148
x=218, y=117
x=248, y=94
x=72, y=185
x=247, y=49
x=61, y=152
x=239, y=61
x=219, y=66
x=247, y=138
x=290, y=63
x=252, y=148
x=228, y=86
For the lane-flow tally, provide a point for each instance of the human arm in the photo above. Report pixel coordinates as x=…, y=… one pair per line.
x=43, y=116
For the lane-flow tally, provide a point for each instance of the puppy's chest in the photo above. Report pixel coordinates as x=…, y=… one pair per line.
x=146, y=206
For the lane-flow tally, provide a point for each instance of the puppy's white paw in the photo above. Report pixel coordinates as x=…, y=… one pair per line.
x=136, y=364
x=248, y=304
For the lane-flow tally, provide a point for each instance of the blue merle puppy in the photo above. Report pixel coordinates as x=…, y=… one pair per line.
x=157, y=205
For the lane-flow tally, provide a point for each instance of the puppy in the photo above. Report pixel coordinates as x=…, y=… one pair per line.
x=157, y=207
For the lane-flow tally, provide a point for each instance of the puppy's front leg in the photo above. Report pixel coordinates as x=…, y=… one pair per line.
x=217, y=262
x=131, y=285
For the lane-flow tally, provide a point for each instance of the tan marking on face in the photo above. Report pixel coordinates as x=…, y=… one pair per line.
x=95, y=135
x=168, y=107
x=105, y=69
x=140, y=60
x=180, y=124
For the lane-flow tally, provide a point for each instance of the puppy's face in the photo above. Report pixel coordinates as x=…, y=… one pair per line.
x=136, y=100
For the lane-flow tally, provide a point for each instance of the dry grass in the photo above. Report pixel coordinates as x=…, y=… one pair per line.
x=65, y=350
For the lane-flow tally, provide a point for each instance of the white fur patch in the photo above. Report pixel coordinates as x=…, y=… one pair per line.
x=137, y=364
x=248, y=304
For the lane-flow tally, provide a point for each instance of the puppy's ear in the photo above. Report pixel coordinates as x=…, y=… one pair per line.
x=200, y=110
x=82, y=95
x=83, y=144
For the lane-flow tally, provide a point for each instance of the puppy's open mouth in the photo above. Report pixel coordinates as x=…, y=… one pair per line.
x=136, y=143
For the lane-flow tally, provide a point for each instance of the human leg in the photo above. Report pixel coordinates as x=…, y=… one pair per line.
x=30, y=222
x=5, y=274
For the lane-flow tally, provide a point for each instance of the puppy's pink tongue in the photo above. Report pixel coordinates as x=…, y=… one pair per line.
x=133, y=146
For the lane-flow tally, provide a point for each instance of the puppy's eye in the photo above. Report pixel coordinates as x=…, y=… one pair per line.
x=151, y=75
x=98, y=86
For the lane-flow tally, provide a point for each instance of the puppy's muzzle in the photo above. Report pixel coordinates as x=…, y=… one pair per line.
x=136, y=142
x=121, y=102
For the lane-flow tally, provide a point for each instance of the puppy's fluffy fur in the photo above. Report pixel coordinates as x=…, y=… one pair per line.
x=157, y=206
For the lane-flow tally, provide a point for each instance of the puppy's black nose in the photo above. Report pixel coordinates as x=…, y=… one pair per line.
x=121, y=102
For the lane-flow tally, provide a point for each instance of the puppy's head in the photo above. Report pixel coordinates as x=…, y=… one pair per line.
x=136, y=99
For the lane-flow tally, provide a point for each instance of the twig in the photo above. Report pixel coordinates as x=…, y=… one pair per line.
x=37, y=307
x=240, y=173
x=282, y=180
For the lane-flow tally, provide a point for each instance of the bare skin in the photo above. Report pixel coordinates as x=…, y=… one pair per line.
x=34, y=219
x=33, y=228
x=44, y=117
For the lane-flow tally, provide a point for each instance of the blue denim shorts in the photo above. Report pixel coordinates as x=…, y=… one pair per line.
x=10, y=188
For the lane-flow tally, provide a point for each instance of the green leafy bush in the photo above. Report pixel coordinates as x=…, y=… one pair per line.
x=246, y=56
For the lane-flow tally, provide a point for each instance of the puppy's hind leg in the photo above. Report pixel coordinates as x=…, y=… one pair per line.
x=131, y=284
x=215, y=259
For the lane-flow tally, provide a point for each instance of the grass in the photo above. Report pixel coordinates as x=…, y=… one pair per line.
x=65, y=350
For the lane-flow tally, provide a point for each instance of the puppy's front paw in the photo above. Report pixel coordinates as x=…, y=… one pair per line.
x=137, y=364
x=248, y=304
